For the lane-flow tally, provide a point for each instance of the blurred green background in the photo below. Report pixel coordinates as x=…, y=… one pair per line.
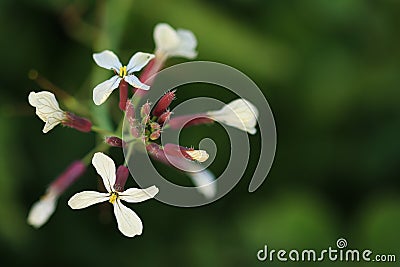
x=330, y=71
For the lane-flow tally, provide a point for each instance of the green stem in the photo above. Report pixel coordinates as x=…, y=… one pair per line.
x=102, y=131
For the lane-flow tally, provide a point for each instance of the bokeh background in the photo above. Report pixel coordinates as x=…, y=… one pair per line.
x=330, y=71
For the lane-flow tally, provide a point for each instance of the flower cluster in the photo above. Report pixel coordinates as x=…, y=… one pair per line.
x=146, y=126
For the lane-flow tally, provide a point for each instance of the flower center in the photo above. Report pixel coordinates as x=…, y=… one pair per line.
x=113, y=197
x=122, y=72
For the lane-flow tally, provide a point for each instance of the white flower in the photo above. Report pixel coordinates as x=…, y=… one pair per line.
x=239, y=113
x=47, y=109
x=174, y=43
x=108, y=60
x=128, y=222
x=43, y=209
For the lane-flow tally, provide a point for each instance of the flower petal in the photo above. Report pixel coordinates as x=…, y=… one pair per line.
x=134, y=195
x=47, y=109
x=204, y=181
x=87, y=198
x=107, y=59
x=187, y=45
x=102, y=91
x=138, y=61
x=135, y=82
x=105, y=167
x=239, y=113
x=51, y=123
x=165, y=37
x=42, y=210
x=128, y=222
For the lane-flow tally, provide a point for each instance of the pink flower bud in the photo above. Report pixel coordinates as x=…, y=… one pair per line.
x=121, y=177
x=73, y=172
x=114, y=141
x=129, y=110
x=163, y=103
x=156, y=152
x=155, y=135
x=123, y=94
x=145, y=110
x=176, y=151
x=187, y=153
x=155, y=126
x=135, y=130
x=76, y=122
x=189, y=120
x=145, y=119
x=164, y=117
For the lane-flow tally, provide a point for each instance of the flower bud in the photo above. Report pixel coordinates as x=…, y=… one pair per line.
x=164, y=117
x=155, y=151
x=163, y=103
x=145, y=110
x=45, y=207
x=130, y=110
x=76, y=122
x=114, y=141
x=188, y=153
x=123, y=94
x=155, y=135
x=155, y=126
x=136, y=130
x=121, y=177
x=180, y=122
x=73, y=172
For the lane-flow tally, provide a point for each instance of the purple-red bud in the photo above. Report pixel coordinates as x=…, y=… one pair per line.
x=70, y=175
x=114, y=141
x=121, y=177
x=177, y=151
x=130, y=110
x=156, y=152
x=189, y=120
x=76, y=122
x=163, y=103
x=145, y=110
x=135, y=131
x=164, y=117
x=123, y=94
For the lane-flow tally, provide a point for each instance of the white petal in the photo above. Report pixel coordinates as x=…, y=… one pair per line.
x=204, y=180
x=135, y=82
x=240, y=113
x=187, y=45
x=87, y=198
x=47, y=109
x=102, y=91
x=105, y=167
x=199, y=155
x=42, y=210
x=128, y=222
x=165, y=37
x=107, y=59
x=134, y=195
x=138, y=61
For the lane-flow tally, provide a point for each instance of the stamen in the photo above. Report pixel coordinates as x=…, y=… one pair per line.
x=113, y=197
x=122, y=71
